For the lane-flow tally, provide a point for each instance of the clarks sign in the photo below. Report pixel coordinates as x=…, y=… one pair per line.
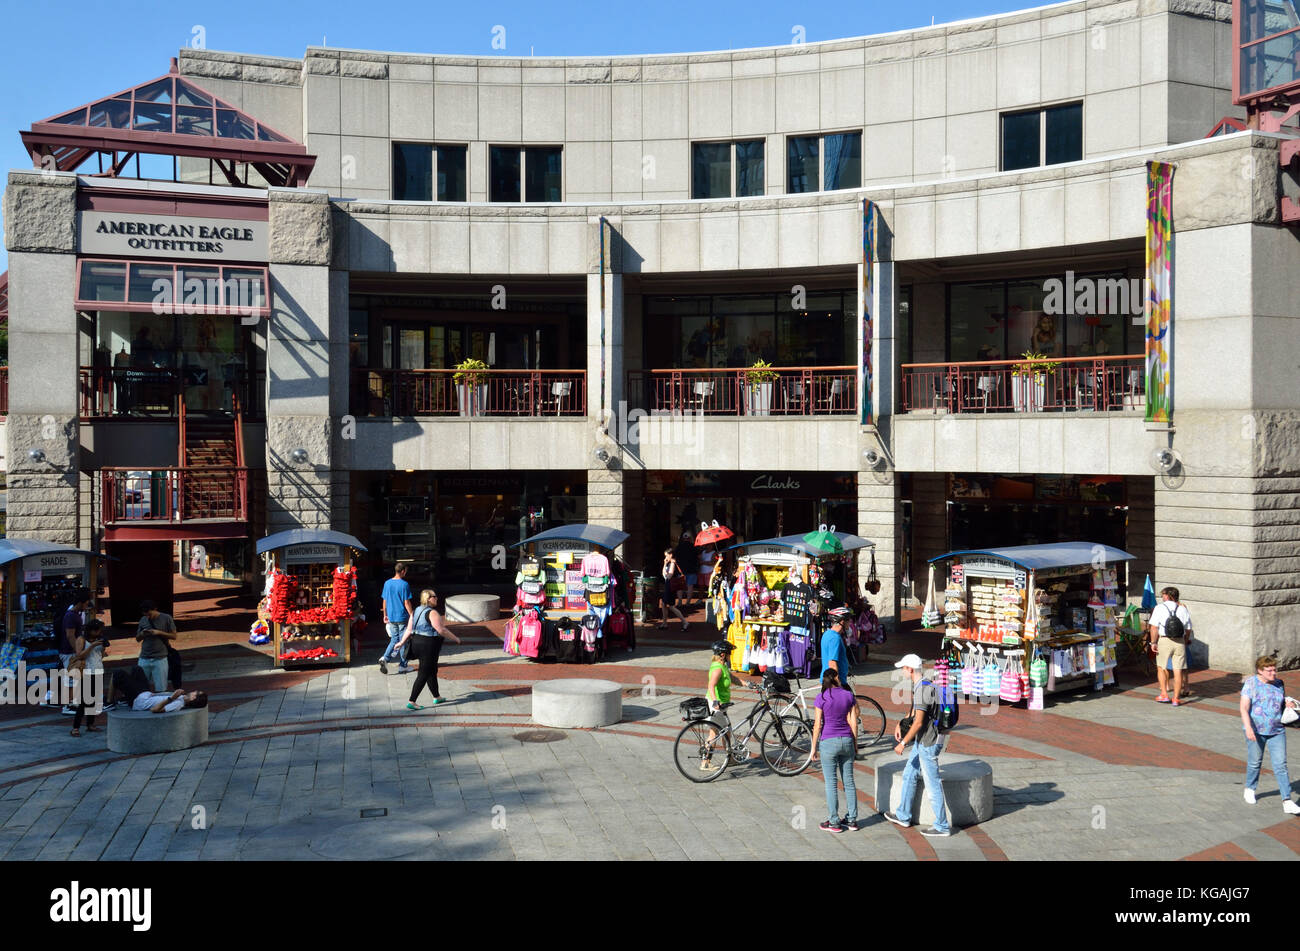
x=114, y=234
x=773, y=484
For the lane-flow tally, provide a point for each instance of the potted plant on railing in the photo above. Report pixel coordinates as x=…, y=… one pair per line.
x=1029, y=381
x=471, y=386
x=758, y=388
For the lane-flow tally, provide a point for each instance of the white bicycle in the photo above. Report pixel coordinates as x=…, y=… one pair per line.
x=871, y=716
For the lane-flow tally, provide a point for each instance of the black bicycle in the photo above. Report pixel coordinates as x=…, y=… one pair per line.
x=704, y=749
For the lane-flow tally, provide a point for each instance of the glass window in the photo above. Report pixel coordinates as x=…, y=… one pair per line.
x=142, y=287
x=749, y=169
x=1028, y=326
x=1020, y=141
x=451, y=173
x=801, y=164
x=843, y=161
x=359, y=338
x=503, y=173
x=1064, y=133
x=542, y=166
x=711, y=170
x=975, y=322
x=903, y=325
x=103, y=281
x=413, y=172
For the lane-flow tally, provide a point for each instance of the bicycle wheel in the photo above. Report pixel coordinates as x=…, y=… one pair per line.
x=787, y=746
x=871, y=722
x=699, y=758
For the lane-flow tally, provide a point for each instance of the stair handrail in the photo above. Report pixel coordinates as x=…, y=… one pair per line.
x=239, y=430
x=182, y=457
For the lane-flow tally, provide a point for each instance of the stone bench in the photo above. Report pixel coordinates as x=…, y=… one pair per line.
x=577, y=703
x=132, y=732
x=472, y=608
x=967, y=791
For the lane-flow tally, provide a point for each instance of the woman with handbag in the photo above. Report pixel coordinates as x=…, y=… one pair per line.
x=425, y=630
x=1263, y=701
x=668, y=600
x=88, y=662
x=835, y=724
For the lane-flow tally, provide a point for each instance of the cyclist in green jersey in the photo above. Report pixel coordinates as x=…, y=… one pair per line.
x=718, y=693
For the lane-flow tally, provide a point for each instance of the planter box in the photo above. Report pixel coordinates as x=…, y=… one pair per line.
x=758, y=399
x=1028, y=393
x=472, y=400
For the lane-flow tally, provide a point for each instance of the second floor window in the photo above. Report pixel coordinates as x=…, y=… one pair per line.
x=712, y=165
x=1042, y=137
x=428, y=172
x=823, y=163
x=524, y=173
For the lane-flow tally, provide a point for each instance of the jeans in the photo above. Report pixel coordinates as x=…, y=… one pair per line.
x=395, y=632
x=925, y=761
x=427, y=650
x=155, y=668
x=1276, y=746
x=837, y=754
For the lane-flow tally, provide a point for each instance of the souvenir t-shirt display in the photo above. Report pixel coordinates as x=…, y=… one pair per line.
x=797, y=599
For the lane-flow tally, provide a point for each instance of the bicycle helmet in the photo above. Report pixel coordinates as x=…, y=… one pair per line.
x=723, y=647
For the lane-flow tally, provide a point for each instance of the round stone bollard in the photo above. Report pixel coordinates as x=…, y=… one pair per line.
x=577, y=703
x=472, y=608
x=967, y=792
x=132, y=732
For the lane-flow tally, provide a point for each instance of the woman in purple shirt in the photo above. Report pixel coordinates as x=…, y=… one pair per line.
x=835, y=723
x=1262, y=701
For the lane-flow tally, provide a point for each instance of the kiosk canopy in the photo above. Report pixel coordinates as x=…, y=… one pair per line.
x=306, y=536
x=12, y=549
x=1043, y=557
x=599, y=536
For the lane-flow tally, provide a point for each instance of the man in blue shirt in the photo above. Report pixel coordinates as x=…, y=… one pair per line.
x=835, y=654
x=397, y=598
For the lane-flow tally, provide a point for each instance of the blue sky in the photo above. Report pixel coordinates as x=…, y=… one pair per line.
x=53, y=58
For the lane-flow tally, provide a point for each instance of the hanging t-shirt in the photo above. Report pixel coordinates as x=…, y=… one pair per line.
x=595, y=563
x=796, y=598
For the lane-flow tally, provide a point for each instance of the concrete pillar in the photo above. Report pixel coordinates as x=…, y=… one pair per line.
x=604, y=478
x=304, y=403
x=878, y=520
x=40, y=235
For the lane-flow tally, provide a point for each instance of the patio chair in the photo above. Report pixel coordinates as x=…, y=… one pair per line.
x=703, y=393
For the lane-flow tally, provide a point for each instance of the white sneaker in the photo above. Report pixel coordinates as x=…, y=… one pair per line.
x=1290, y=808
x=1249, y=795
x=403, y=669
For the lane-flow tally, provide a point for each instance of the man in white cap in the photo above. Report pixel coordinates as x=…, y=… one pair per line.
x=919, y=729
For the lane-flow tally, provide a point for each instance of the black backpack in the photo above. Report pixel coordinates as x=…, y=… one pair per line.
x=1173, y=626
x=944, y=710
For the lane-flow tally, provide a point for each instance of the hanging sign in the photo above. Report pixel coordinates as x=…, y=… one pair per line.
x=54, y=563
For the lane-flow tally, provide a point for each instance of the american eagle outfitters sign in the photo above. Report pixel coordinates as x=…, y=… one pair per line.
x=119, y=234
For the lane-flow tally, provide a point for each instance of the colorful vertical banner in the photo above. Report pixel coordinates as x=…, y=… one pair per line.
x=1159, y=284
x=866, y=381
x=601, y=228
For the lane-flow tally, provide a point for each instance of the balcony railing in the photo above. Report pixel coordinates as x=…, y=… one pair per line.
x=795, y=391
x=118, y=392
x=494, y=393
x=1069, y=384
x=175, y=495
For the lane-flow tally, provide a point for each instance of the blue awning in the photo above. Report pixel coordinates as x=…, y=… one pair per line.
x=11, y=549
x=306, y=536
x=600, y=536
x=797, y=543
x=1056, y=555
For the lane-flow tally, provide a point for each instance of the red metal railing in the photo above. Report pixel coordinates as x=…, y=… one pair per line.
x=175, y=495
x=494, y=393
x=1062, y=384
x=794, y=391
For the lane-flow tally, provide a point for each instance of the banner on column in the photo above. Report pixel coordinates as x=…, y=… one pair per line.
x=1159, y=281
x=866, y=387
x=601, y=229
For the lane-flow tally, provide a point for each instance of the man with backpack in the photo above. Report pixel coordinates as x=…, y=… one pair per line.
x=1171, y=629
x=923, y=729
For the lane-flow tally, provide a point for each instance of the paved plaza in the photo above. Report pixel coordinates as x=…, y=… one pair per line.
x=329, y=765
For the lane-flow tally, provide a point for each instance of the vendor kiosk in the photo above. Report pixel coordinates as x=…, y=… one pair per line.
x=772, y=606
x=311, y=595
x=37, y=581
x=573, y=595
x=1029, y=621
